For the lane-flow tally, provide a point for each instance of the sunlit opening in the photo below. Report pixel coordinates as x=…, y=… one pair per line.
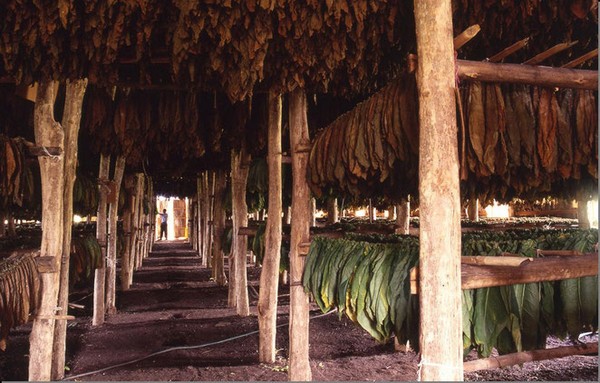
x=360, y=213
x=592, y=207
x=497, y=211
x=77, y=219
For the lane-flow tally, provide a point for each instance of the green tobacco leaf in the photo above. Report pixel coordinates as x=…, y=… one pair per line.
x=490, y=318
x=571, y=305
x=467, y=318
x=530, y=315
x=589, y=302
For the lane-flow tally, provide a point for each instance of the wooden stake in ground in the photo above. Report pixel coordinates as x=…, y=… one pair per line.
x=403, y=217
x=269, y=276
x=240, y=166
x=439, y=196
x=111, y=263
x=206, y=217
x=299, y=367
x=71, y=119
x=219, y=228
x=332, y=211
x=48, y=132
x=100, y=273
x=473, y=209
x=127, y=228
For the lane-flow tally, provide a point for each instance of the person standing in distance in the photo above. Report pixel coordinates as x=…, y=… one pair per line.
x=163, y=224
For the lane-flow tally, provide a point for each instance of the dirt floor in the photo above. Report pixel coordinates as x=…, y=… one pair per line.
x=175, y=312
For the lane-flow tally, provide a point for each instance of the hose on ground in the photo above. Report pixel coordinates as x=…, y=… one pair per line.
x=178, y=348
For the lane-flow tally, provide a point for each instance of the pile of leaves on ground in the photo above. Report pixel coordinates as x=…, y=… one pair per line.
x=367, y=278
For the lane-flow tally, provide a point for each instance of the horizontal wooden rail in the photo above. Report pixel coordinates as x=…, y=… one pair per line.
x=530, y=356
x=528, y=74
x=538, y=270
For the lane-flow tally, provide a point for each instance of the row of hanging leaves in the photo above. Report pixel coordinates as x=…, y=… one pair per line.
x=517, y=140
x=19, y=293
x=369, y=283
x=233, y=45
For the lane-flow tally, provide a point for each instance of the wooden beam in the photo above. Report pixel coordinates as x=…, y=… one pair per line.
x=440, y=339
x=530, y=356
x=466, y=36
x=528, y=74
x=535, y=60
x=494, y=261
x=540, y=269
x=581, y=59
x=40, y=151
x=509, y=51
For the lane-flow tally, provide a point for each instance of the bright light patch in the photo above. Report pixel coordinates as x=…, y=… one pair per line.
x=77, y=219
x=592, y=207
x=497, y=211
x=360, y=213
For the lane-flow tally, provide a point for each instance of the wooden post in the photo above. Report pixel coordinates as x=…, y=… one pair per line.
x=313, y=210
x=48, y=132
x=269, y=276
x=2, y=224
x=71, y=120
x=207, y=216
x=111, y=262
x=403, y=217
x=240, y=167
x=287, y=215
x=127, y=228
x=100, y=273
x=473, y=209
x=439, y=196
x=332, y=211
x=139, y=256
x=299, y=367
x=218, y=228
x=11, y=229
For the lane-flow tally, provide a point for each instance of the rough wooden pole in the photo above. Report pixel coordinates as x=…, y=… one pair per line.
x=240, y=166
x=199, y=227
x=332, y=211
x=269, y=276
x=48, y=132
x=473, y=209
x=206, y=216
x=313, y=209
x=139, y=255
x=71, y=120
x=100, y=273
x=439, y=196
x=127, y=218
x=299, y=367
x=111, y=262
x=218, y=228
x=403, y=217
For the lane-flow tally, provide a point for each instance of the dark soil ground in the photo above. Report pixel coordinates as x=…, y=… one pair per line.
x=173, y=305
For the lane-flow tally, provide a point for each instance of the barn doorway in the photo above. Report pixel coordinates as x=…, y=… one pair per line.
x=178, y=212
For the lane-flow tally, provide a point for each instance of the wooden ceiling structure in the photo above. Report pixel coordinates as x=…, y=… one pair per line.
x=182, y=81
x=154, y=59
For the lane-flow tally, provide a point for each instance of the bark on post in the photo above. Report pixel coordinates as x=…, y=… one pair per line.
x=48, y=132
x=287, y=215
x=126, y=260
x=403, y=217
x=218, y=228
x=206, y=217
x=71, y=120
x=313, y=210
x=473, y=209
x=332, y=211
x=240, y=166
x=200, y=208
x=299, y=367
x=439, y=196
x=138, y=222
x=371, y=211
x=100, y=273
x=111, y=263
x=269, y=276
x=11, y=229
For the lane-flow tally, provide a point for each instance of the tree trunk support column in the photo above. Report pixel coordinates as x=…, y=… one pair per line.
x=439, y=196
x=48, y=132
x=111, y=263
x=473, y=209
x=218, y=228
x=299, y=367
x=71, y=120
x=100, y=273
x=403, y=217
x=332, y=210
x=269, y=276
